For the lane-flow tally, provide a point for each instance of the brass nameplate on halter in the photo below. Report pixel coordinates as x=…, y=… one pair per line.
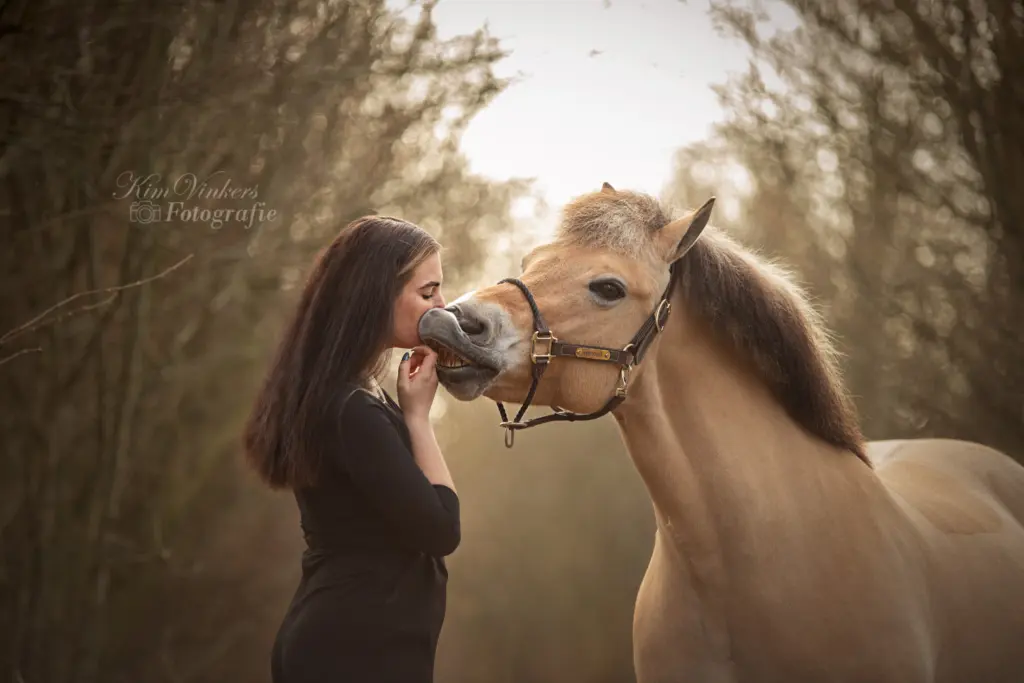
x=593, y=354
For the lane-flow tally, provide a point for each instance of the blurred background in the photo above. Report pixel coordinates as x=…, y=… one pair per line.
x=874, y=147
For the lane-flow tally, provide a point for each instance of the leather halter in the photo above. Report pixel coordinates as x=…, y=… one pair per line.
x=626, y=358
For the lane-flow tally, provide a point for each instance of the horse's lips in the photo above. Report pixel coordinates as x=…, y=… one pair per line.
x=449, y=358
x=466, y=371
x=440, y=331
x=466, y=383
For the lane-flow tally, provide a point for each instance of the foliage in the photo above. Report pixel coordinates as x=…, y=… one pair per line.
x=126, y=521
x=882, y=143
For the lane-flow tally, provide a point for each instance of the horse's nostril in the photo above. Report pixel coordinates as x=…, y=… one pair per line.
x=473, y=328
x=471, y=324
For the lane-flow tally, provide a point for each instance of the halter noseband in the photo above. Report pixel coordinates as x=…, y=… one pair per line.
x=626, y=358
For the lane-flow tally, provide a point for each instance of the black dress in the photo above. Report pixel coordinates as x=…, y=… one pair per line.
x=371, y=600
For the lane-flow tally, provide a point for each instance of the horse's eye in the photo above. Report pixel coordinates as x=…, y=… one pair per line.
x=609, y=290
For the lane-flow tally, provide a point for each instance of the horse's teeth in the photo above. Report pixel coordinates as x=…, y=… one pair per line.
x=449, y=359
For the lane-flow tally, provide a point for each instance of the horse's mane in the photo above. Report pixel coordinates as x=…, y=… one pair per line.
x=751, y=303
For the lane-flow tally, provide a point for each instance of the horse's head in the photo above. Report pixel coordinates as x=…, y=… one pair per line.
x=595, y=285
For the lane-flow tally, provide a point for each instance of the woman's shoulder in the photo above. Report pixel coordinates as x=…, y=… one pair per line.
x=360, y=402
x=363, y=410
x=357, y=396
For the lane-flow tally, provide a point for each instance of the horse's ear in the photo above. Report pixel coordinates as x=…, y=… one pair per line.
x=606, y=187
x=678, y=236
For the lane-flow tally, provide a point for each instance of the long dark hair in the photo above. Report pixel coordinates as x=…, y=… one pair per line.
x=336, y=340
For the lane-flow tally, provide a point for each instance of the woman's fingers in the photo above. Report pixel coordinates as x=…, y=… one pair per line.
x=423, y=351
x=421, y=358
x=429, y=362
x=420, y=355
x=404, y=369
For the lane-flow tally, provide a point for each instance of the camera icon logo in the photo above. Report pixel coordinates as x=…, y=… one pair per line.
x=144, y=212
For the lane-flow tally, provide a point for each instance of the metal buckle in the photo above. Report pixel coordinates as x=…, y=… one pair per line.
x=550, y=339
x=623, y=385
x=667, y=306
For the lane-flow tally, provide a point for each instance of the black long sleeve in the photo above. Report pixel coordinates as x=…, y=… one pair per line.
x=381, y=466
x=373, y=593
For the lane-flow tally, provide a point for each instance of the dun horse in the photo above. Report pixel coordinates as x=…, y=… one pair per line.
x=787, y=549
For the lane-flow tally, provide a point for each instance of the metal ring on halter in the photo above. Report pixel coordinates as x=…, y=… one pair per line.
x=665, y=305
x=623, y=385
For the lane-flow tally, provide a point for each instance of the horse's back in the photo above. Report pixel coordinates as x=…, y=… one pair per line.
x=949, y=481
x=967, y=502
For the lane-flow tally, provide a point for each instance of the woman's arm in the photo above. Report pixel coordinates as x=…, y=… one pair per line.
x=428, y=453
x=412, y=490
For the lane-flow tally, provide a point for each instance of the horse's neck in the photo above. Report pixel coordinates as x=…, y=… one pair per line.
x=698, y=422
x=737, y=486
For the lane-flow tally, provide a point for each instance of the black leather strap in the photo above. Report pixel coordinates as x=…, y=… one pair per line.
x=538, y=368
x=538, y=320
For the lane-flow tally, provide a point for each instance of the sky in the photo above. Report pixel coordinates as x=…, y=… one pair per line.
x=608, y=90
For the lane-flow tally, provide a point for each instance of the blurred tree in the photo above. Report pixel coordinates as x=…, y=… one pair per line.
x=132, y=546
x=884, y=142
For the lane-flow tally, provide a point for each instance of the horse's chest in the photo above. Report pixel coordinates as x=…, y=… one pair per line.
x=674, y=640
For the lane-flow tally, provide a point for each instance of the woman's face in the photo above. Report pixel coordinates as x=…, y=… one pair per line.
x=420, y=294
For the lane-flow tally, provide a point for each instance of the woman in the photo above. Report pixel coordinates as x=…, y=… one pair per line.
x=378, y=507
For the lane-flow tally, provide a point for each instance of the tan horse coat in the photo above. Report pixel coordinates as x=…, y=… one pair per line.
x=787, y=549
x=779, y=559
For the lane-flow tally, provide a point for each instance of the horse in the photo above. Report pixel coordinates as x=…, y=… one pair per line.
x=787, y=547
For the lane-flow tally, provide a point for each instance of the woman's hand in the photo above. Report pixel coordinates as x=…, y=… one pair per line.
x=417, y=382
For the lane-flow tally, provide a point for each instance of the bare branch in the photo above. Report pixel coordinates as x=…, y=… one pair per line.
x=19, y=353
x=37, y=322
